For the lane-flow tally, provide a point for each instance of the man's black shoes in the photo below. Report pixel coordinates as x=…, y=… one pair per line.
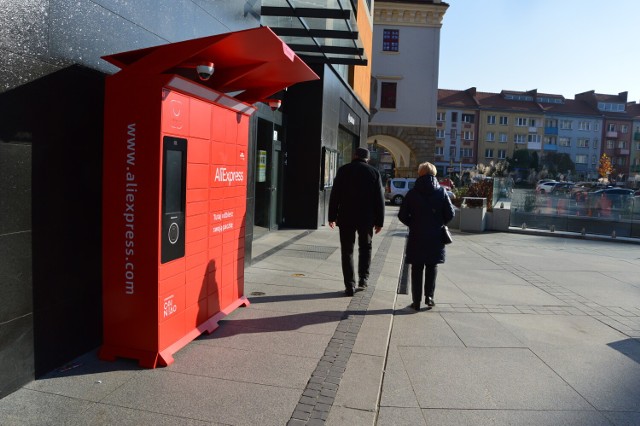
x=430, y=302
x=349, y=291
x=362, y=285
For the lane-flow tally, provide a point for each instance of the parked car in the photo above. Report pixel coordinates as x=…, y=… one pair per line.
x=545, y=187
x=396, y=189
x=617, y=198
x=581, y=189
x=562, y=189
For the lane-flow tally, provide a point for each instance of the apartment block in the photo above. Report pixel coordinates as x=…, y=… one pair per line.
x=496, y=125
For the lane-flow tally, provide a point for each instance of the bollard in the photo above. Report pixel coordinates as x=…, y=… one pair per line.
x=524, y=225
x=553, y=228
x=583, y=232
x=613, y=234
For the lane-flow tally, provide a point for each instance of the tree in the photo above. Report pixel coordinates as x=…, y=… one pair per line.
x=558, y=163
x=604, y=167
x=521, y=160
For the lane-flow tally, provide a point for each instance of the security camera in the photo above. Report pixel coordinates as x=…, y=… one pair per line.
x=205, y=71
x=274, y=104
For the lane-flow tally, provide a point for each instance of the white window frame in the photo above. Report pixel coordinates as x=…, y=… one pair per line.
x=491, y=136
x=564, y=141
x=465, y=151
x=583, y=143
x=467, y=135
x=582, y=158
x=488, y=153
x=441, y=116
x=522, y=122
x=504, y=138
x=504, y=120
x=491, y=119
x=468, y=118
x=502, y=154
x=440, y=150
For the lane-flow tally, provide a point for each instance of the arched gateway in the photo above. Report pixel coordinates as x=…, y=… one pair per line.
x=409, y=146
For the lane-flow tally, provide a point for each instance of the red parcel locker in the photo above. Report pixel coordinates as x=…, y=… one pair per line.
x=174, y=193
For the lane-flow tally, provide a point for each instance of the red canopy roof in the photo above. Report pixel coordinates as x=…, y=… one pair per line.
x=254, y=62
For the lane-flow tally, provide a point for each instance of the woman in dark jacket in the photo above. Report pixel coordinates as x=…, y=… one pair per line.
x=425, y=209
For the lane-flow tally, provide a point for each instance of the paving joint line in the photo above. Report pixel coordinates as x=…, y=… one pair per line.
x=319, y=395
x=574, y=301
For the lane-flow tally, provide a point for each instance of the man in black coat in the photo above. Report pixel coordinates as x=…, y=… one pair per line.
x=356, y=205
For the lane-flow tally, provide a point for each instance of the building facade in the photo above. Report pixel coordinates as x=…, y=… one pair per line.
x=52, y=82
x=548, y=125
x=404, y=102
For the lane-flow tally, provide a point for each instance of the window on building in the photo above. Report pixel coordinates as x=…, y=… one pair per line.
x=488, y=153
x=439, y=150
x=622, y=161
x=534, y=138
x=439, y=133
x=440, y=116
x=491, y=119
x=454, y=116
x=467, y=135
x=611, y=127
x=466, y=152
x=550, y=140
x=468, y=118
x=454, y=135
x=521, y=121
x=388, y=95
x=504, y=138
x=583, y=143
x=565, y=124
x=622, y=144
x=551, y=122
x=504, y=120
x=390, y=40
x=502, y=154
x=611, y=144
x=564, y=141
x=637, y=146
x=584, y=125
x=519, y=138
x=582, y=159
x=594, y=159
x=491, y=137
x=533, y=122
x=624, y=128
x=596, y=127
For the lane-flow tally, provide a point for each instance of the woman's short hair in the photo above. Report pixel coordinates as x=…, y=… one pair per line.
x=427, y=169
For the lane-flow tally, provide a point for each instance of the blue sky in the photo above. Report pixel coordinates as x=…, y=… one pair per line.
x=556, y=46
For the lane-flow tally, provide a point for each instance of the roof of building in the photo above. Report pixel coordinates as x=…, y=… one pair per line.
x=531, y=101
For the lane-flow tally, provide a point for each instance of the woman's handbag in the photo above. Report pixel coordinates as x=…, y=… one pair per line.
x=446, y=235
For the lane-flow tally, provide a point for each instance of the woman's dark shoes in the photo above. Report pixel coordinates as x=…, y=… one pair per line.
x=430, y=303
x=415, y=306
